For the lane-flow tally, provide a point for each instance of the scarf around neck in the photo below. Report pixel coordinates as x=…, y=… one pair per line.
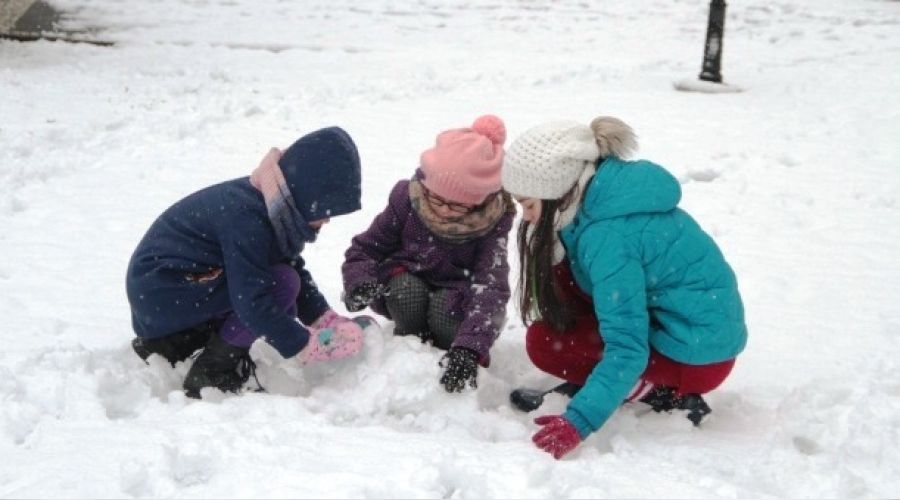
x=291, y=230
x=457, y=229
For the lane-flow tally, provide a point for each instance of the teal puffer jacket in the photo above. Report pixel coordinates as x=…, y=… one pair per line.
x=656, y=278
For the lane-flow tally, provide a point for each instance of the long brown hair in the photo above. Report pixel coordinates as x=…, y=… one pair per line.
x=538, y=292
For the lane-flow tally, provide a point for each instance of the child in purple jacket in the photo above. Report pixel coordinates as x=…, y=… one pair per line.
x=435, y=259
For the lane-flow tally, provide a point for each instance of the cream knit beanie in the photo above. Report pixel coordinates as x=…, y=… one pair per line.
x=547, y=160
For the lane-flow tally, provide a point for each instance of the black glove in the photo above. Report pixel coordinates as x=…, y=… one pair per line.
x=462, y=369
x=363, y=295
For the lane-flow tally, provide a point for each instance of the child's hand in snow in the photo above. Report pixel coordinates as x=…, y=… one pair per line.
x=342, y=340
x=461, y=371
x=557, y=436
x=329, y=319
x=363, y=294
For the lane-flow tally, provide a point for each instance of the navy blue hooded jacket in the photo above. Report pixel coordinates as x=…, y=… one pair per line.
x=211, y=253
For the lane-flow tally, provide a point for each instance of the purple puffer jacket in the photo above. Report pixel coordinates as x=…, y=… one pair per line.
x=475, y=272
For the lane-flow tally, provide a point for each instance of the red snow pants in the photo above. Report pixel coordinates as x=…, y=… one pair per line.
x=572, y=355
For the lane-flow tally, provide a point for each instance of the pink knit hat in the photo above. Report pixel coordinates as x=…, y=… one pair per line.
x=464, y=165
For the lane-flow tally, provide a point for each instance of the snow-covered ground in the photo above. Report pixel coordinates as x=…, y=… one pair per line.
x=798, y=179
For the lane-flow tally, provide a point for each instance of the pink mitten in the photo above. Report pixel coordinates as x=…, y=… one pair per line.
x=343, y=340
x=328, y=319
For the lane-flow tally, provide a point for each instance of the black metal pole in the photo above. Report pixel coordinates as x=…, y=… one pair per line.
x=715, y=31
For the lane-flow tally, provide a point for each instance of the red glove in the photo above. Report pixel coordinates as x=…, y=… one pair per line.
x=558, y=436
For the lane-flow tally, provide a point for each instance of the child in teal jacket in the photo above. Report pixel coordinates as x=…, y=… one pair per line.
x=632, y=299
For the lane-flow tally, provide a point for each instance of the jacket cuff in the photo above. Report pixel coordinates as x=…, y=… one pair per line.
x=477, y=345
x=309, y=309
x=289, y=344
x=579, y=422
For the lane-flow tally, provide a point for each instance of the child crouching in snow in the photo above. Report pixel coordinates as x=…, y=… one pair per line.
x=222, y=267
x=628, y=298
x=435, y=259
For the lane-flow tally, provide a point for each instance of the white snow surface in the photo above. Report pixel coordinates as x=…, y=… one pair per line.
x=797, y=178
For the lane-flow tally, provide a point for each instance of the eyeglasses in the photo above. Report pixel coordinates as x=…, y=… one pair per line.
x=459, y=208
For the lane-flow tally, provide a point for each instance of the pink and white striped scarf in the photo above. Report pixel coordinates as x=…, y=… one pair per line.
x=291, y=229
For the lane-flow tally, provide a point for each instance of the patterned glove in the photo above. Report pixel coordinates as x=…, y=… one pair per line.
x=462, y=369
x=557, y=437
x=360, y=297
x=335, y=342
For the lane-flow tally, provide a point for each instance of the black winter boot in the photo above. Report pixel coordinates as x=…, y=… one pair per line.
x=220, y=365
x=696, y=407
x=662, y=398
x=175, y=347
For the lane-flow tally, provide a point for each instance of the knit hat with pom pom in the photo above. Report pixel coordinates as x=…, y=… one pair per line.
x=547, y=160
x=464, y=164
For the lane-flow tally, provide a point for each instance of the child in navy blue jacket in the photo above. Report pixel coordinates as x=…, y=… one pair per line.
x=222, y=267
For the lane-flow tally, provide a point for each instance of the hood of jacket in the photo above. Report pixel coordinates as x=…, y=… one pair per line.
x=622, y=188
x=322, y=171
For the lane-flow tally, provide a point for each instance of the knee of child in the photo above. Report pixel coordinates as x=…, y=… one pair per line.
x=406, y=281
x=287, y=281
x=407, y=289
x=541, y=343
